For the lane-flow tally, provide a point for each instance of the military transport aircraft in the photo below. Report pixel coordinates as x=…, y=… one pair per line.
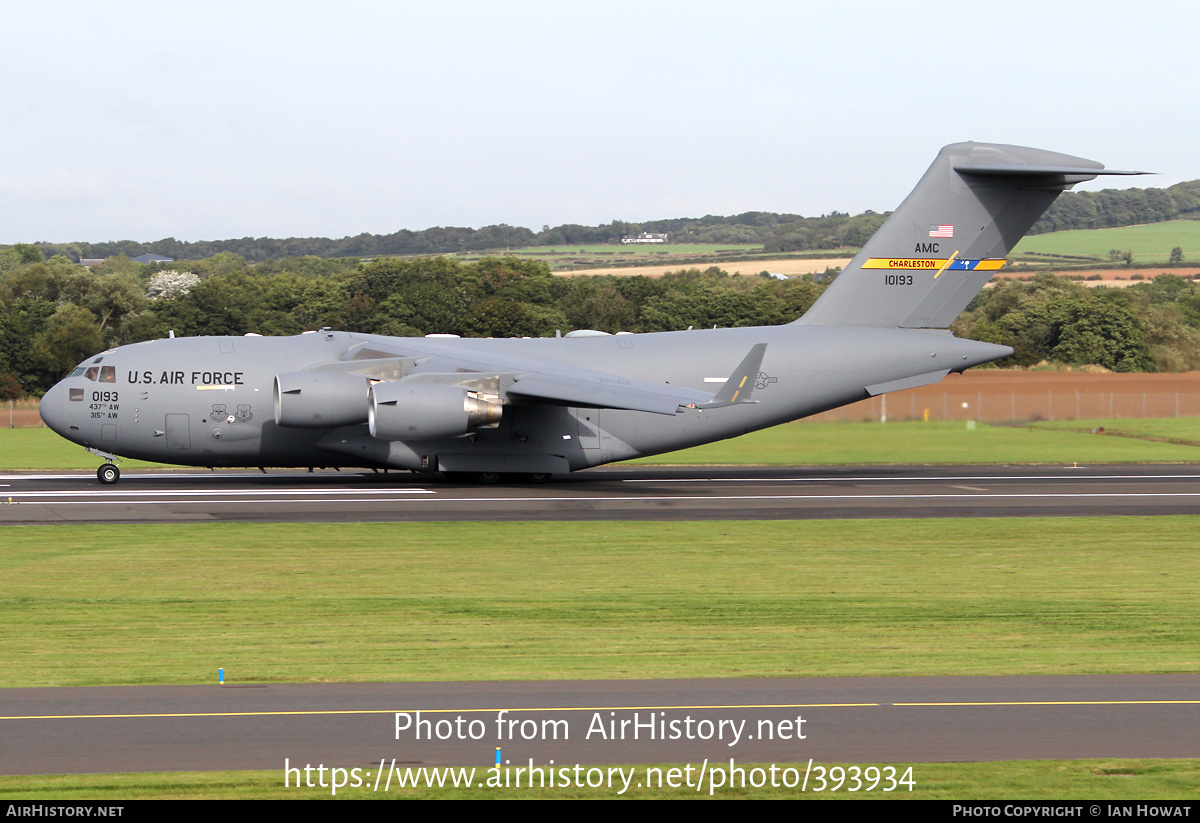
x=491, y=408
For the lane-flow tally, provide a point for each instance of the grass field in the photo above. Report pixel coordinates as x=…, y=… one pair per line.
x=1179, y=430
x=42, y=449
x=830, y=444
x=817, y=444
x=634, y=249
x=1016, y=780
x=272, y=603
x=1150, y=243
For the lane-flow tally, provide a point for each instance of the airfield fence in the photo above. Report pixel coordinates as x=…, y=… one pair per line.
x=1020, y=397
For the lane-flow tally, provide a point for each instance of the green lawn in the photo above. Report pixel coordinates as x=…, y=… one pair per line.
x=142, y=604
x=1150, y=243
x=43, y=450
x=811, y=444
x=828, y=444
x=1016, y=780
x=1179, y=430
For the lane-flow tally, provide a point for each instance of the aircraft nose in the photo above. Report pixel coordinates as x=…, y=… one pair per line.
x=53, y=409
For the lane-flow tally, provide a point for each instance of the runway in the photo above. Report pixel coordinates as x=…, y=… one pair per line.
x=897, y=721
x=626, y=493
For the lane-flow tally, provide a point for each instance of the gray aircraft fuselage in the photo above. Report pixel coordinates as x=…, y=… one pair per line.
x=208, y=400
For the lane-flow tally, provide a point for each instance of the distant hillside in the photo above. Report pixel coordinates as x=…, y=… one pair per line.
x=776, y=232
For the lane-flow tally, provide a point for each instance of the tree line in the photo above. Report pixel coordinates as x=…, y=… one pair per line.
x=1111, y=208
x=1151, y=326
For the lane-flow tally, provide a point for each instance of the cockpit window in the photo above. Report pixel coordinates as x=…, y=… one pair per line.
x=97, y=374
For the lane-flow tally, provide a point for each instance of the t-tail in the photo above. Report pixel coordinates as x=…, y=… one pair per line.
x=956, y=229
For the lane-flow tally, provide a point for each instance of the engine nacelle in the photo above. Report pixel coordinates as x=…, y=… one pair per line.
x=428, y=411
x=319, y=400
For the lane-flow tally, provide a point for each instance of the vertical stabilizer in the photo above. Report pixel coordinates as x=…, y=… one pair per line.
x=956, y=228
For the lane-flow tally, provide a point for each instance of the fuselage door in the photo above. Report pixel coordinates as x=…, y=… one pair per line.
x=178, y=432
x=587, y=427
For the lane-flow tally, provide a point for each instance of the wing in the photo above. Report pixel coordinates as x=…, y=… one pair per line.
x=522, y=379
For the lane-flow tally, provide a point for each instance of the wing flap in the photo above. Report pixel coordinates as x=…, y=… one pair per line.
x=629, y=395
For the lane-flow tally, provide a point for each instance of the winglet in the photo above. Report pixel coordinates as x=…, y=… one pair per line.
x=740, y=385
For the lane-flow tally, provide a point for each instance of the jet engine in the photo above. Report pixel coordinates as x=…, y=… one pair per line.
x=319, y=400
x=428, y=411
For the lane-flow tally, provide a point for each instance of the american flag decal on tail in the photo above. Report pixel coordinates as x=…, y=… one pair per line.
x=941, y=231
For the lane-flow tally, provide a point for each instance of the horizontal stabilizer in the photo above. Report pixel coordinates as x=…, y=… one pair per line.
x=1082, y=172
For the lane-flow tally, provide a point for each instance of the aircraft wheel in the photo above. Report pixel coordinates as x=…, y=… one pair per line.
x=539, y=477
x=488, y=478
x=108, y=474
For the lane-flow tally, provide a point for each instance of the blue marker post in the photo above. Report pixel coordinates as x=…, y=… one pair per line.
x=497, y=757
x=221, y=677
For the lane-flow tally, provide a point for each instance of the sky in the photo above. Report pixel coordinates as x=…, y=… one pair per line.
x=214, y=120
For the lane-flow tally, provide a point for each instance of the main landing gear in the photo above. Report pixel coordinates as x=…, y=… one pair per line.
x=492, y=478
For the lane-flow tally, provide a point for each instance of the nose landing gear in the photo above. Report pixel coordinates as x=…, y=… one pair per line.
x=108, y=473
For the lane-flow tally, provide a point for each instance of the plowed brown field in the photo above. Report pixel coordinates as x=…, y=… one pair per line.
x=1117, y=278
x=789, y=267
